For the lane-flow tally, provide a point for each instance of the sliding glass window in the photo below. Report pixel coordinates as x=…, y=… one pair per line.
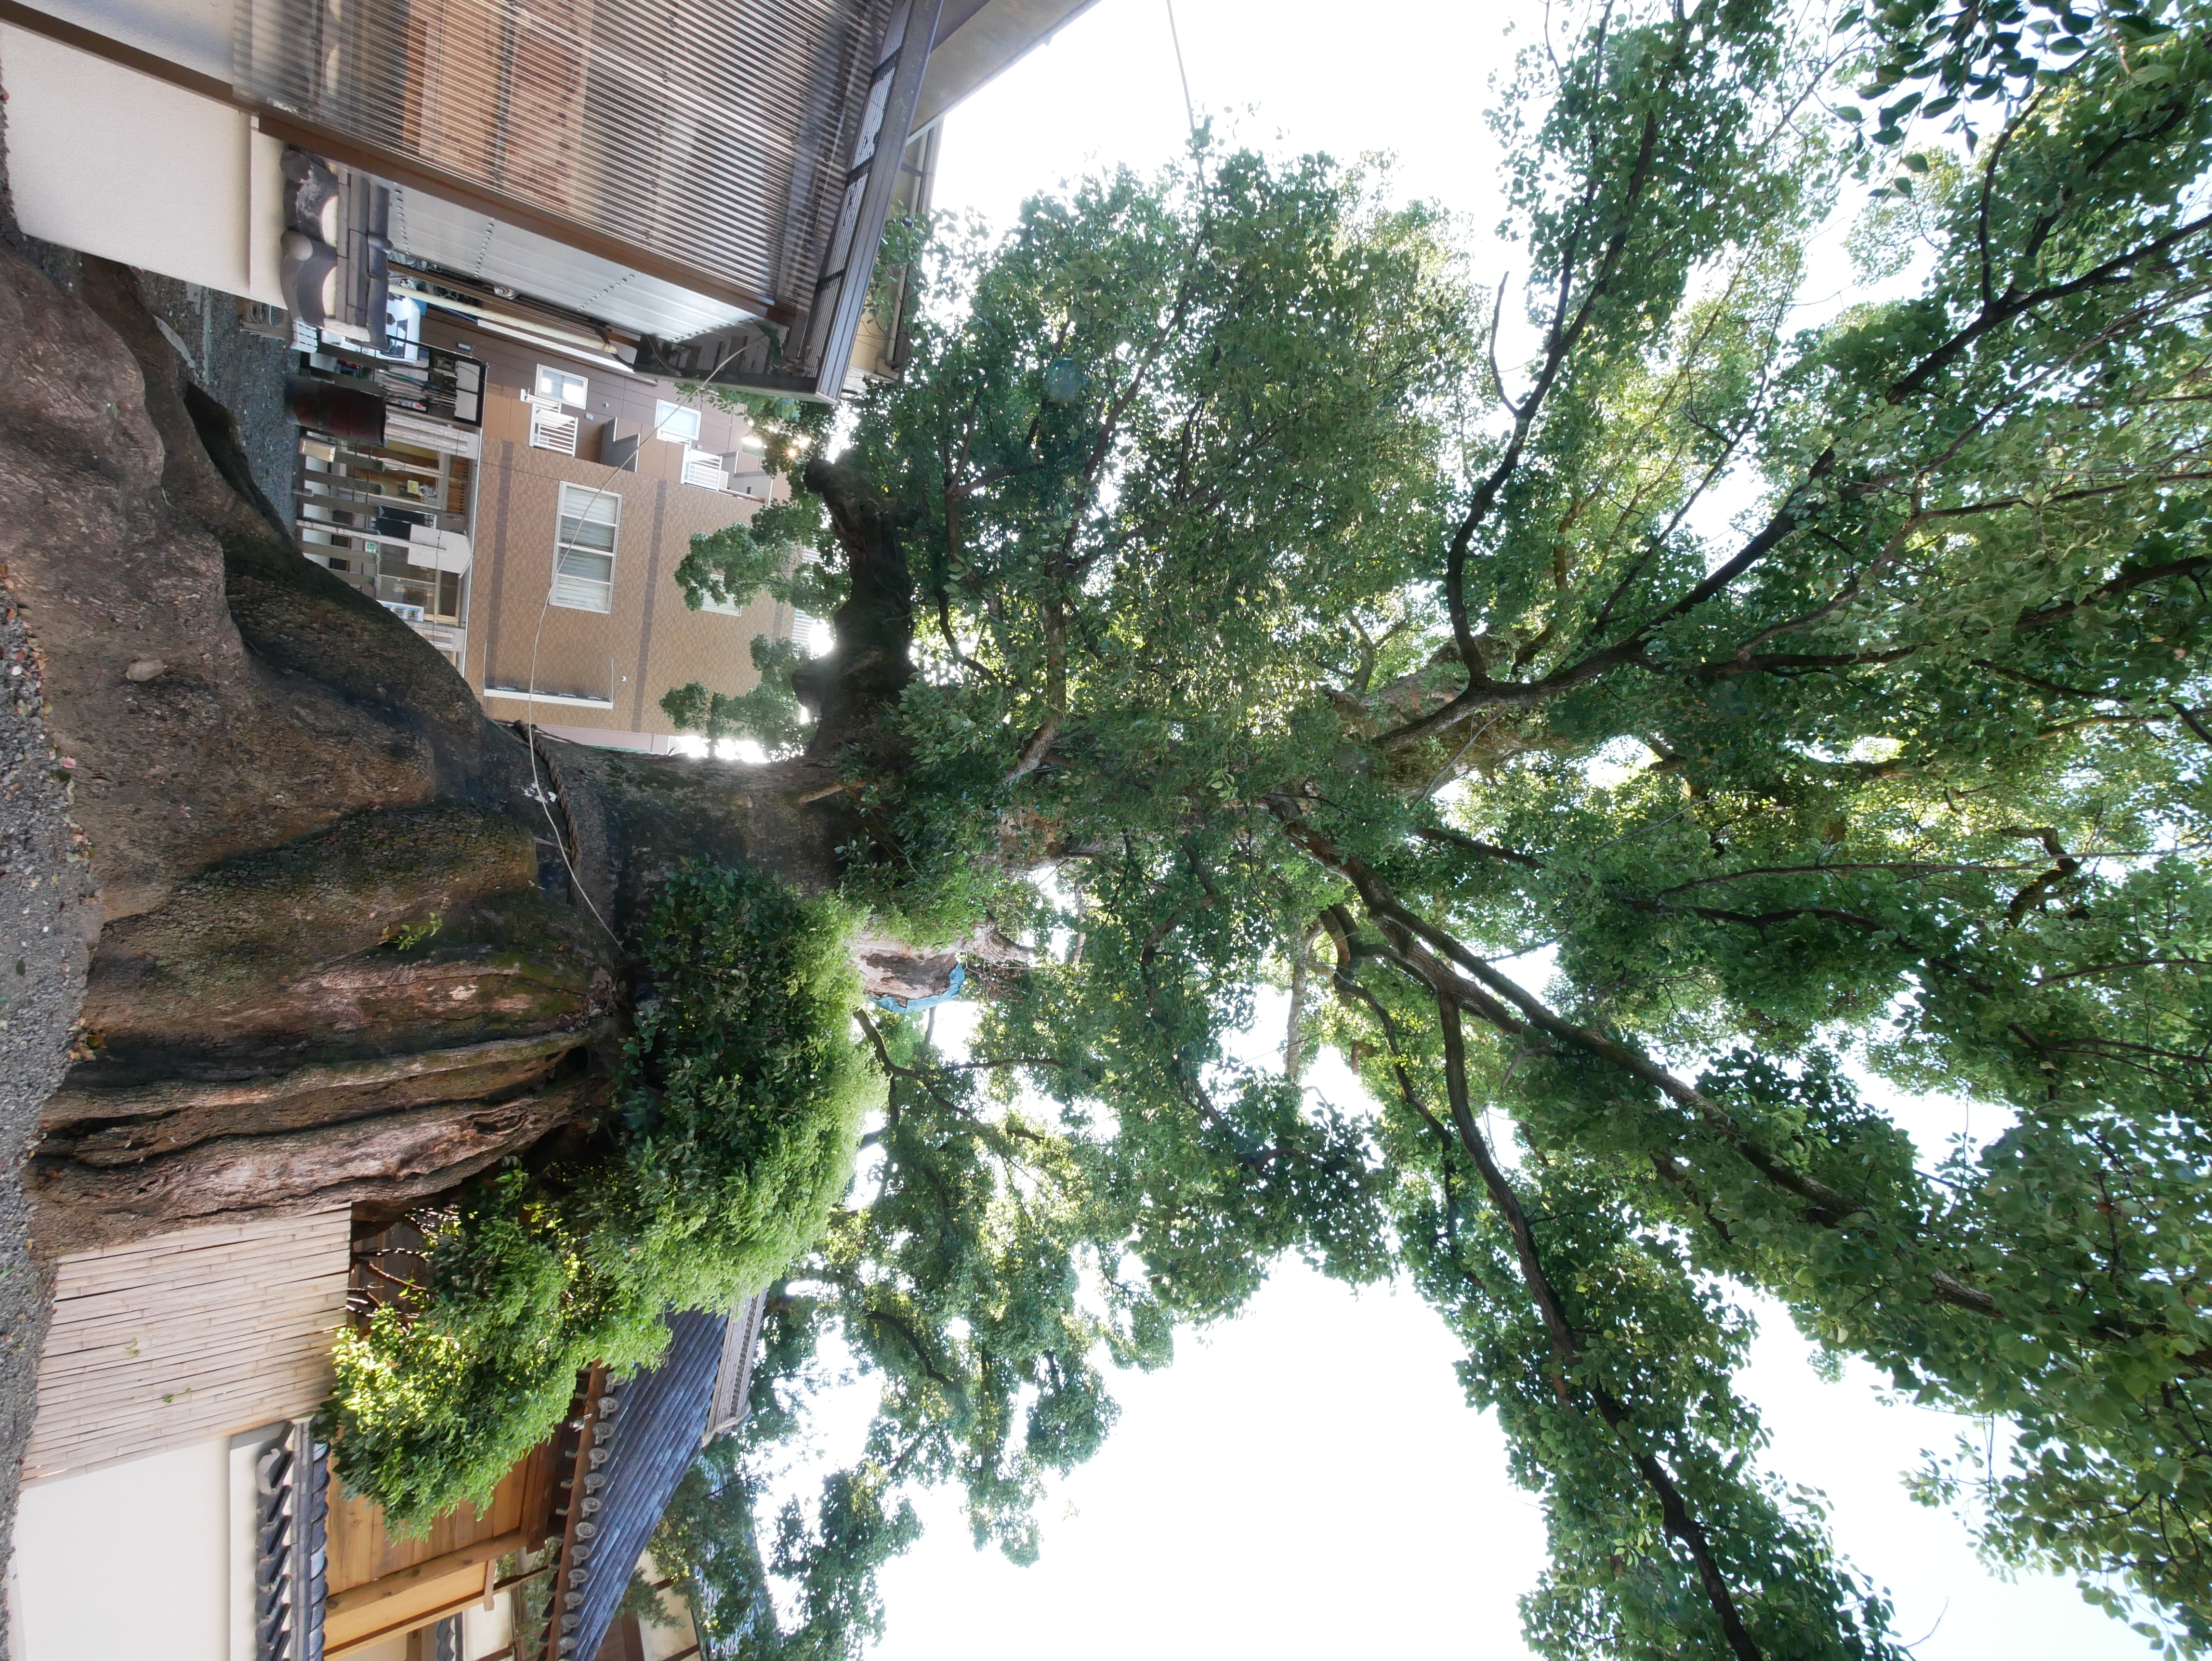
x=584, y=548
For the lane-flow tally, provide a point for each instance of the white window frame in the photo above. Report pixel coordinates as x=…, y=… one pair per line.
x=676, y=423
x=557, y=386
x=574, y=558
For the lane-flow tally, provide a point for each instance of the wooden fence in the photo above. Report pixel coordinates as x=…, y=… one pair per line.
x=196, y=1334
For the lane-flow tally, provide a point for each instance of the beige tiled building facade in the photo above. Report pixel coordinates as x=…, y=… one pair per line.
x=600, y=674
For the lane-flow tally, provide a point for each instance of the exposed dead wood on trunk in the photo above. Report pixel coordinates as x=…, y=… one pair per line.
x=373, y=991
x=892, y=968
x=386, y=1160
x=402, y=931
x=128, y=1126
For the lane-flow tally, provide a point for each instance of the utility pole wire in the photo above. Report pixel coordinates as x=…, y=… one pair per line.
x=1189, y=111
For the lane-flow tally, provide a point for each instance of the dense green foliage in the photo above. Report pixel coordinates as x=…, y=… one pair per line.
x=995, y=1261
x=768, y=712
x=1660, y=732
x=738, y=1111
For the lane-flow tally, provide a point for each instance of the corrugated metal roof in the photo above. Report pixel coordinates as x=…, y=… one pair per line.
x=656, y=1421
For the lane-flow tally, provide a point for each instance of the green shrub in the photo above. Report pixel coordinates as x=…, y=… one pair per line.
x=740, y=1099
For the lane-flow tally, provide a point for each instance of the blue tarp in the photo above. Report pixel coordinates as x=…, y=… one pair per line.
x=908, y=1006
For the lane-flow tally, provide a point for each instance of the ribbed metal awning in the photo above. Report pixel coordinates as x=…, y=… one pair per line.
x=707, y=142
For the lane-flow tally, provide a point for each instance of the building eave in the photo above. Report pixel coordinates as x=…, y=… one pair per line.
x=979, y=39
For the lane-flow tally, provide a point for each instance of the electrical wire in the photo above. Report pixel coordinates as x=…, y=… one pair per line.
x=1190, y=111
x=537, y=790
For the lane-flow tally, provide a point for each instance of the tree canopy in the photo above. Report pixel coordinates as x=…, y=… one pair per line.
x=1649, y=740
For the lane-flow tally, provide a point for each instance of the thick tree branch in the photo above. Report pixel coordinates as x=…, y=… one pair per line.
x=1450, y=838
x=1494, y=989
x=1035, y=748
x=1674, y=1509
x=2123, y=583
x=2001, y=311
x=1563, y=336
x=872, y=662
x=1481, y=691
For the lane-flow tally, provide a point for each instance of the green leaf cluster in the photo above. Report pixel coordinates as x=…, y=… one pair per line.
x=997, y=1258
x=731, y=1140
x=769, y=714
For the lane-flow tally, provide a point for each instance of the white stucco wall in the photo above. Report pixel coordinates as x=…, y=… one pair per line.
x=487, y=1630
x=196, y=33
x=127, y=1561
x=115, y=164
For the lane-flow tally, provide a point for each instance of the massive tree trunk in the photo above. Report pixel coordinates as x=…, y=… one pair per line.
x=353, y=942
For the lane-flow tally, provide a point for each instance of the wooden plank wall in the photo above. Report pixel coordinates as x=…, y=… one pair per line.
x=381, y=1587
x=200, y=1333
x=362, y=1551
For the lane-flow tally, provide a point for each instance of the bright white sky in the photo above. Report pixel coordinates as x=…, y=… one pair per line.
x=1307, y=1482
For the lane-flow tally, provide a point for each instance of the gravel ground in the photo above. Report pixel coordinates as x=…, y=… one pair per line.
x=43, y=954
x=43, y=880
x=244, y=371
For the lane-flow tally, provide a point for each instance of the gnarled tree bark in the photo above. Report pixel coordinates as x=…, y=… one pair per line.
x=355, y=943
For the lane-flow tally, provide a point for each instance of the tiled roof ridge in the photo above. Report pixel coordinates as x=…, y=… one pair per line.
x=639, y=1437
